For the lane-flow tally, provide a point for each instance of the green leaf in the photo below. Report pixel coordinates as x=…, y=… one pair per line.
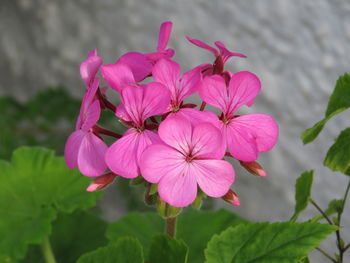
x=338, y=102
x=338, y=156
x=126, y=250
x=194, y=227
x=266, y=243
x=34, y=187
x=334, y=207
x=302, y=193
x=167, y=249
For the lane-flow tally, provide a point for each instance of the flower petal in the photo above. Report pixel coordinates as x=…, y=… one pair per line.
x=156, y=99
x=189, y=83
x=241, y=142
x=160, y=160
x=227, y=53
x=118, y=75
x=264, y=127
x=178, y=189
x=164, y=35
x=176, y=131
x=90, y=66
x=201, y=44
x=167, y=72
x=91, y=116
x=91, y=156
x=197, y=117
x=244, y=86
x=138, y=64
x=123, y=156
x=214, y=92
x=207, y=142
x=214, y=177
x=71, y=148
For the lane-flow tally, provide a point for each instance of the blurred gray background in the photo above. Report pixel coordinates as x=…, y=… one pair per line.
x=298, y=49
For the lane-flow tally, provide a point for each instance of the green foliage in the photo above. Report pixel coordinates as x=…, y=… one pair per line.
x=334, y=207
x=194, y=227
x=302, y=193
x=125, y=250
x=266, y=243
x=167, y=249
x=338, y=156
x=34, y=187
x=338, y=102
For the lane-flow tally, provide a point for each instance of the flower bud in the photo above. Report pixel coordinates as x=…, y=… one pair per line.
x=165, y=210
x=254, y=168
x=231, y=197
x=101, y=182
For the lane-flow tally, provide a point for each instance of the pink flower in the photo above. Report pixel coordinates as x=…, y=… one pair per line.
x=118, y=75
x=221, y=56
x=190, y=155
x=89, y=67
x=83, y=148
x=138, y=104
x=167, y=72
x=246, y=135
x=141, y=64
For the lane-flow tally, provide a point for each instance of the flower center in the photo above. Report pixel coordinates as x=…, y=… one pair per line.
x=189, y=158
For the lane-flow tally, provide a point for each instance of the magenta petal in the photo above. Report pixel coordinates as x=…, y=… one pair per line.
x=214, y=177
x=178, y=190
x=121, y=113
x=164, y=35
x=241, y=142
x=138, y=64
x=176, y=131
x=197, y=117
x=243, y=88
x=160, y=160
x=189, y=83
x=167, y=72
x=71, y=148
x=91, y=116
x=91, y=156
x=90, y=66
x=201, y=44
x=156, y=100
x=264, y=127
x=123, y=156
x=118, y=75
x=214, y=92
x=207, y=142
x=227, y=53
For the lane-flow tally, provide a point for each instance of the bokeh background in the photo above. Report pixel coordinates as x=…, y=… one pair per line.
x=298, y=49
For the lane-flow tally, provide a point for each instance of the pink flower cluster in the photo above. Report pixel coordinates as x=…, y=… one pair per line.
x=168, y=141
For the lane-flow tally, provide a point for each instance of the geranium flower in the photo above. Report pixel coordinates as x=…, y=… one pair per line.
x=222, y=54
x=141, y=64
x=168, y=73
x=83, y=148
x=189, y=156
x=245, y=135
x=138, y=104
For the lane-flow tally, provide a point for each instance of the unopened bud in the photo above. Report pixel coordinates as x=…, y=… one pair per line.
x=254, y=168
x=165, y=210
x=101, y=182
x=232, y=198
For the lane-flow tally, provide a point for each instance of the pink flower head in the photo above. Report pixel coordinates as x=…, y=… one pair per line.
x=246, y=135
x=138, y=104
x=222, y=54
x=89, y=67
x=190, y=155
x=141, y=64
x=83, y=148
x=167, y=72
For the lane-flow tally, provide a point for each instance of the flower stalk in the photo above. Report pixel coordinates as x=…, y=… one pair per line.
x=47, y=251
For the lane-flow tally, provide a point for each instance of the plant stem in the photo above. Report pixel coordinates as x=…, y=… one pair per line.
x=339, y=244
x=321, y=211
x=47, y=251
x=326, y=255
x=171, y=226
x=202, y=106
x=346, y=247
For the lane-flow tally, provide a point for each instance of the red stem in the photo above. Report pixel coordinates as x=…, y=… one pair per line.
x=101, y=130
